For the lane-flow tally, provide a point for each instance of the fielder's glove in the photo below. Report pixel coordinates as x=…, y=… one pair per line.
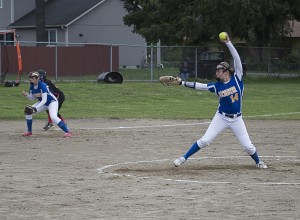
x=29, y=110
x=170, y=80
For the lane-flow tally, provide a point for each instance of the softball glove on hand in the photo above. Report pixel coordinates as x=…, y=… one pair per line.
x=29, y=110
x=170, y=80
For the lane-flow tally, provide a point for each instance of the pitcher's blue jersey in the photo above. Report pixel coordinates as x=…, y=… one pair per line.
x=41, y=88
x=230, y=94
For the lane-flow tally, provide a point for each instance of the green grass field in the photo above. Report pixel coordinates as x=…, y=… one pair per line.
x=275, y=98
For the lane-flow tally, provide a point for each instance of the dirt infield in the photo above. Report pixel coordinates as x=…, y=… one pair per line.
x=123, y=169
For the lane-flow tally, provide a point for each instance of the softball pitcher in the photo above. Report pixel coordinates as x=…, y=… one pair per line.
x=46, y=101
x=229, y=88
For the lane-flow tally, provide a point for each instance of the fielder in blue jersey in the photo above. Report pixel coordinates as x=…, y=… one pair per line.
x=229, y=88
x=46, y=101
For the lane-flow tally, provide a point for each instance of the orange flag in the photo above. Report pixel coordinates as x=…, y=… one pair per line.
x=20, y=65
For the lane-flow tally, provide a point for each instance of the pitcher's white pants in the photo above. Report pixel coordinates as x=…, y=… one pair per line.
x=219, y=123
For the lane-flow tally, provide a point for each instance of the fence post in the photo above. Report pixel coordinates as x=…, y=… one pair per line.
x=151, y=63
x=196, y=62
x=56, y=62
x=158, y=55
x=0, y=60
x=110, y=58
x=298, y=64
x=269, y=61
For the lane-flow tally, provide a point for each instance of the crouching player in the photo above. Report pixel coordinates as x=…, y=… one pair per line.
x=46, y=101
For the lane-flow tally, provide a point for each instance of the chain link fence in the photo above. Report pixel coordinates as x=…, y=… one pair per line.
x=257, y=61
x=85, y=62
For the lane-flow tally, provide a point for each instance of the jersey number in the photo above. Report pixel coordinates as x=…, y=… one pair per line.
x=234, y=97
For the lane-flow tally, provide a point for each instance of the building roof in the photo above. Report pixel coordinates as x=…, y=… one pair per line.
x=58, y=13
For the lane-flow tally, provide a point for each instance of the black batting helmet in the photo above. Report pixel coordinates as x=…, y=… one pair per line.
x=43, y=74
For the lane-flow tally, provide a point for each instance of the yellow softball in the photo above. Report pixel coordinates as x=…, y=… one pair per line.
x=223, y=35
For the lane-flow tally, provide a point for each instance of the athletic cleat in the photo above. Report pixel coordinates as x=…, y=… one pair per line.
x=27, y=134
x=261, y=165
x=179, y=161
x=68, y=135
x=47, y=126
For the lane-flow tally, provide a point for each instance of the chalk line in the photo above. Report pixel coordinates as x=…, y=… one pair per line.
x=102, y=171
x=179, y=124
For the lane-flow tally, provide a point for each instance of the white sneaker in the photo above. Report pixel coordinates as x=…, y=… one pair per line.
x=261, y=165
x=179, y=161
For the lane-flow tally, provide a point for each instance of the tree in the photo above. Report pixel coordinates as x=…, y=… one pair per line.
x=295, y=8
x=194, y=22
x=41, y=34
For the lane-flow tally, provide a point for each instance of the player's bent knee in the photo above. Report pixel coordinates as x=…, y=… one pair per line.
x=201, y=143
x=56, y=119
